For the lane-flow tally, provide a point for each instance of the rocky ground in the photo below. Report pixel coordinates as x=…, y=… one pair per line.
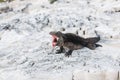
x=25, y=44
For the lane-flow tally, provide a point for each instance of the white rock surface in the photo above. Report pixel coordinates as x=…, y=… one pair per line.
x=26, y=52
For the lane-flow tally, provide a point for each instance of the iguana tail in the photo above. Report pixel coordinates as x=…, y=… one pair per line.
x=93, y=40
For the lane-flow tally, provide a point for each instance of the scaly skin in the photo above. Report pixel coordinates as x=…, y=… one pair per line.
x=73, y=42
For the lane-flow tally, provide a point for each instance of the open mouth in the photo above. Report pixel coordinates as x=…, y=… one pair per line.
x=55, y=39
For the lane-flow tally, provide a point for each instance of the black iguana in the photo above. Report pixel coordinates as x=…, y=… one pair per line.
x=72, y=42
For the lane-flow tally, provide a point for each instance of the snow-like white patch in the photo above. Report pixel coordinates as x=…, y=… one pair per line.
x=13, y=75
x=26, y=52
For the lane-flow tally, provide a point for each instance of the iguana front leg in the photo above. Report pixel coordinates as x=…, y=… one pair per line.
x=60, y=43
x=61, y=50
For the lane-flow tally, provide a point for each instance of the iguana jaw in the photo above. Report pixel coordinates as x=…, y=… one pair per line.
x=55, y=35
x=55, y=39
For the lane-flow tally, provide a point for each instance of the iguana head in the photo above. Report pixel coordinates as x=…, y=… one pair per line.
x=55, y=35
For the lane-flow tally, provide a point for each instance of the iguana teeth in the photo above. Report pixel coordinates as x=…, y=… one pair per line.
x=57, y=38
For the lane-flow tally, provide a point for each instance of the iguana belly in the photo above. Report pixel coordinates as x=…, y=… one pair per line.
x=72, y=46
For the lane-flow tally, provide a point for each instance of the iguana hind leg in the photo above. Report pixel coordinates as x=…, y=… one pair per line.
x=67, y=54
x=93, y=46
x=98, y=45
